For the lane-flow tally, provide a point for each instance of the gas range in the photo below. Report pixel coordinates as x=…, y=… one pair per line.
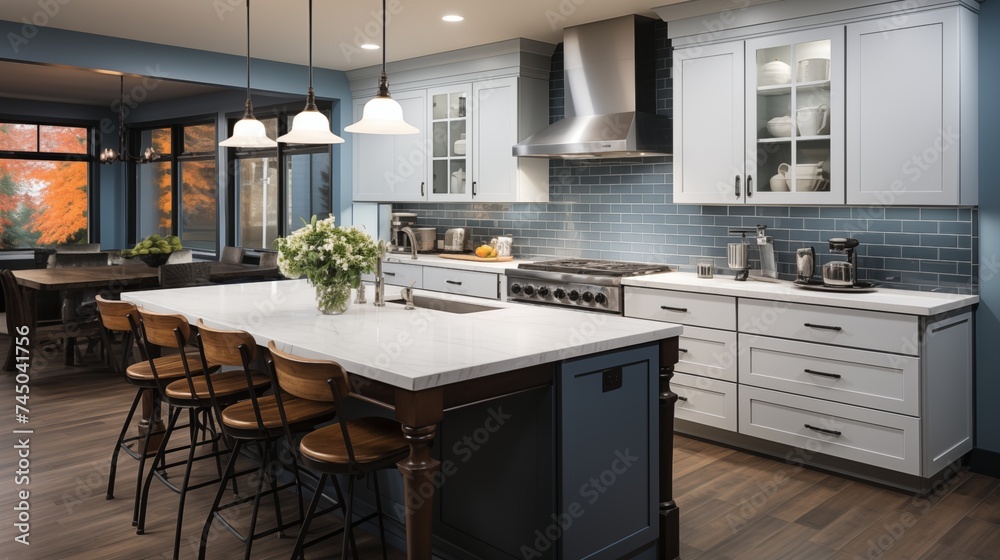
x=593, y=285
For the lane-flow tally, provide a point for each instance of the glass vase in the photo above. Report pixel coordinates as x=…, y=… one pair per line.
x=333, y=298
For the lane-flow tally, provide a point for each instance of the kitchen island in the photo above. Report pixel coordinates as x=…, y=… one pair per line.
x=601, y=427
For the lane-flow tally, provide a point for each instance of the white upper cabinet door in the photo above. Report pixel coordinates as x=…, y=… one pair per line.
x=409, y=174
x=911, y=100
x=451, y=148
x=494, y=126
x=373, y=157
x=709, y=124
x=795, y=118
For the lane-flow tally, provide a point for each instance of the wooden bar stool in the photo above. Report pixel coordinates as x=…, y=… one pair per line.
x=354, y=447
x=189, y=393
x=256, y=421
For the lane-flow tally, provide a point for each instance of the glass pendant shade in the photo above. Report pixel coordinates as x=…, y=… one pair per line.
x=310, y=127
x=248, y=133
x=382, y=115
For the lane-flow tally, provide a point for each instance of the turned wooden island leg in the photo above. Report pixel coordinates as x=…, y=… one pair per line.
x=419, y=412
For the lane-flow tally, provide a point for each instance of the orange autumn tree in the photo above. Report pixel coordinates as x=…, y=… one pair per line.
x=199, y=187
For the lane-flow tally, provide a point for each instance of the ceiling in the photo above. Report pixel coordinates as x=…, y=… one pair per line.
x=280, y=27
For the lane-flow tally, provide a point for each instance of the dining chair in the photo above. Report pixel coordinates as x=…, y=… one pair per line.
x=268, y=259
x=78, y=248
x=185, y=274
x=254, y=421
x=351, y=447
x=182, y=256
x=189, y=393
x=232, y=255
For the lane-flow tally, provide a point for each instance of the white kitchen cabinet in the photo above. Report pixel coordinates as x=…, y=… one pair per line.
x=912, y=108
x=450, y=114
x=729, y=100
x=708, y=124
x=894, y=123
x=406, y=275
x=487, y=285
x=881, y=388
x=393, y=168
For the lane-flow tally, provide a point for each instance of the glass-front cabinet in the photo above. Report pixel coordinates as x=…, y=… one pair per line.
x=795, y=118
x=450, y=111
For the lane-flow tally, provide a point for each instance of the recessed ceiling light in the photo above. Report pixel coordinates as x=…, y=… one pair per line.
x=452, y=18
x=370, y=46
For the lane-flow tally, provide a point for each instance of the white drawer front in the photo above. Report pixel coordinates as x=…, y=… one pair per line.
x=686, y=308
x=464, y=282
x=882, y=439
x=403, y=274
x=705, y=401
x=872, y=379
x=854, y=328
x=708, y=352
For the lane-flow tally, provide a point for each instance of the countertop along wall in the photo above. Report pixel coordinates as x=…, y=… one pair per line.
x=623, y=209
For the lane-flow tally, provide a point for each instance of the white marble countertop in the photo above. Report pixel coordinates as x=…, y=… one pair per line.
x=438, y=262
x=894, y=301
x=415, y=349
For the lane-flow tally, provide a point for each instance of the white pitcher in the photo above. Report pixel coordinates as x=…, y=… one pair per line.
x=812, y=120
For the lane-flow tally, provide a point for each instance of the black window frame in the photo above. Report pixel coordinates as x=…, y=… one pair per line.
x=90, y=157
x=284, y=113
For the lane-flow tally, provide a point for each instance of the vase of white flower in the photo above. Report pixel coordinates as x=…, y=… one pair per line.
x=331, y=258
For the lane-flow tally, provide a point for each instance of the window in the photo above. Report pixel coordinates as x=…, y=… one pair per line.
x=177, y=194
x=45, y=176
x=274, y=189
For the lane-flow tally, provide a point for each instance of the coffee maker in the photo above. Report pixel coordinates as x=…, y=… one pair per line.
x=398, y=241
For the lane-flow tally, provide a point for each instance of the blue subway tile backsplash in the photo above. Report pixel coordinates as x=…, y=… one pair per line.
x=623, y=209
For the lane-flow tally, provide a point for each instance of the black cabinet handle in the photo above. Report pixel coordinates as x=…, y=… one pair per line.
x=388, y=273
x=822, y=431
x=455, y=282
x=680, y=398
x=421, y=188
x=749, y=186
x=682, y=350
x=824, y=327
x=737, y=186
x=822, y=374
x=474, y=193
x=677, y=309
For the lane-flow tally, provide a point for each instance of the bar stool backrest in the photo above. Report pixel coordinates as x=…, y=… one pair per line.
x=120, y=316
x=167, y=331
x=229, y=348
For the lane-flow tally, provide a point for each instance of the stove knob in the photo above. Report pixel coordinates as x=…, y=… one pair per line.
x=588, y=297
x=559, y=293
x=515, y=289
x=543, y=291
x=601, y=299
x=574, y=295
x=529, y=290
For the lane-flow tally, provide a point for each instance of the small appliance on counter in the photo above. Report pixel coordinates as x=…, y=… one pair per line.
x=805, y=265
x=399, y=242
x=426, y=239
x=738, y=254
x=458, y=240
x=838, y=276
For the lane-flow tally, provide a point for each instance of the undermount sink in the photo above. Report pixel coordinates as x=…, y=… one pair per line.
x=436, y=304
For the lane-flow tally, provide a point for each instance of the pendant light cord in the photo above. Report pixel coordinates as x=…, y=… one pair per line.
x=383, y=80
x=383, y=37
x=249, y=105
x=310, y=45
x=121, y=116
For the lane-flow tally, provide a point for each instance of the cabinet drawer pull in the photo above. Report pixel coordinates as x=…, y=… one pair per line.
x=474, y=192
x=946, y=327
x=454, y=282
x=680, y=398
x=384, y=273
x=820, y=373
x=824, y=327
x=677, y=309
x=682, y=350
x=737, y=186
x=421, y=188
x=822, y=431
x=749, y=186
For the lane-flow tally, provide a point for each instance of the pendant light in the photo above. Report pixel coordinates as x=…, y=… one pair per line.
x=382, y=115
x=310, y=126
x=248, y=132
x=109, y=155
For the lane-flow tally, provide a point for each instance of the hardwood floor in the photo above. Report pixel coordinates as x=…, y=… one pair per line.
x=733, y=505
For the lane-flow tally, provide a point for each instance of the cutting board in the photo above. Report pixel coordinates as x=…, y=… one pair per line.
x=461, y=257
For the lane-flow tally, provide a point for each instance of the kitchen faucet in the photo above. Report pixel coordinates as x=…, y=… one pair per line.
x=413, y=241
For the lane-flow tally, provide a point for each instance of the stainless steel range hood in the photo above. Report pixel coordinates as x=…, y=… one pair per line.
x=610, y=81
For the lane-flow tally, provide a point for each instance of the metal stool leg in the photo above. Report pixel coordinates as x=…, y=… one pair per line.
x=193, y=418
x=348, y=530
x=230, y=468
x=297, y=553
x=118, y=443
x=261, y=475
x=381, y=522
x=160, y=457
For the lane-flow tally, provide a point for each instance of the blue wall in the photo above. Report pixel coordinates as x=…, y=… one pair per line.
x=60, y=47
x=987, y=323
